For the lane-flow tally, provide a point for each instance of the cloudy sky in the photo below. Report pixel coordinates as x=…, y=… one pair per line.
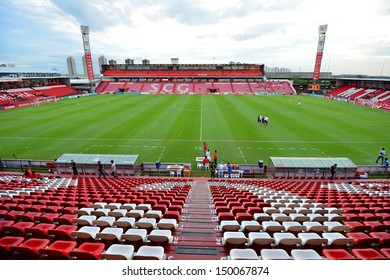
x=41, y=34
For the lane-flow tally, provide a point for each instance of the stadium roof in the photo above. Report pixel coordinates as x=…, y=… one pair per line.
x=311, y=162
x=94, y=158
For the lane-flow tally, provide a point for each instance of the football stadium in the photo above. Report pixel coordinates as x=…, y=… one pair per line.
x=193, y=162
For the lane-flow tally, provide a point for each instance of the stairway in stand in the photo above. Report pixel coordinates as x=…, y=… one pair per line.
x=199, y=236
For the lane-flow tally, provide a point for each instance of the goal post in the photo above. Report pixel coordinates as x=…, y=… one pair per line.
x=45, y=99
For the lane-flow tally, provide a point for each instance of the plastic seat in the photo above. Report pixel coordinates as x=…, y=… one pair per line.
x=128, y=206
x=385, y=252
x=100, y=212
x=86, y=232
x=156, y=214
x=88, y=251
x=28, y=216
x=337, y=239
x=362, y=240
x=5, y=223
x=146, y=223
x=104, y=221
x=299, y=218
x=160, y=236
x=249, y=226
x=135, y=235
x=112, y=234
x=306, y=254
x=336, y=227
x=293, y=227
x=243, y=254
x=274, y=254
x=143, y=206
x=170, y=224
x=229, y=225
x=59, y=249
x=317, y=218
x=312, y=239
x=286, y=238
x=357, y=226
x=84, y=211
x=367, y=254
x=40, y=230
x=7, y=241
x=118, y=252
x=337, y=254
x=85, y=220
x=149, y=253
x=384, y=238
x=279, y=217
x=117, y=213
x=315, y=227
x=18, y=229
x=124, y=222
x=65, y=219
x=234, y=238
x=30, y=247
x=135, y=213
x=260, y=238
x=63, y=232
x=113, y=206
x=98, y=205
x=172, y=215
x=262, y=217
x=272, y=226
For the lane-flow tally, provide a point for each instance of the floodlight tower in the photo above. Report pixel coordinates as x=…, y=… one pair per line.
x=87, y=52
x=322, y=29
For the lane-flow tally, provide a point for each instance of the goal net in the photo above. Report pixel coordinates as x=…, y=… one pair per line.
x=45, y=99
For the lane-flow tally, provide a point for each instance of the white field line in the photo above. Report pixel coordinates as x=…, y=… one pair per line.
x=189, y=140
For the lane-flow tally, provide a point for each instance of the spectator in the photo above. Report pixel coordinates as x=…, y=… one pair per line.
x=386, y=163
x=221, y=169
x=333, y=171
x=113, y=169
x=101, y=170
x=74, y=167
x=215, y=157
x=229, y=169
x=212, y=170
x=206, y=163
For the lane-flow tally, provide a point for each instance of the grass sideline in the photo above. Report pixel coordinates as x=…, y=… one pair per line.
x=173, y=128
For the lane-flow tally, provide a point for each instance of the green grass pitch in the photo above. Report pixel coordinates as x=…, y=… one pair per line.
x=173, y=128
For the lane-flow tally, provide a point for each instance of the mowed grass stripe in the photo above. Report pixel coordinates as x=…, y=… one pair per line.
x=132, y=124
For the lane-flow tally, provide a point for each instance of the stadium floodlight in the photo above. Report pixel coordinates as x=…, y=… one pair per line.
x=87, y=51
x=322, y=29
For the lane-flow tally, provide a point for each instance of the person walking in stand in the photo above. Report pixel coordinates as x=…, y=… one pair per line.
x=221, y=169
x=381, y=156
x=74, y=167
x=212, y=170
x=386, y=163
x=229, y=170
x=333, y=171
x=215, y=157
x=113, y=169
x=101, y=171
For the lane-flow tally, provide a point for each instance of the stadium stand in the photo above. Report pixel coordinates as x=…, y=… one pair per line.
x=184, y=218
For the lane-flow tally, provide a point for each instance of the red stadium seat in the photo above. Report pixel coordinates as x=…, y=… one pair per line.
x=59, y=249
x=30, y=248
x=337, y=254
x=88, y=251
x=367, y=254
x=7, y=241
